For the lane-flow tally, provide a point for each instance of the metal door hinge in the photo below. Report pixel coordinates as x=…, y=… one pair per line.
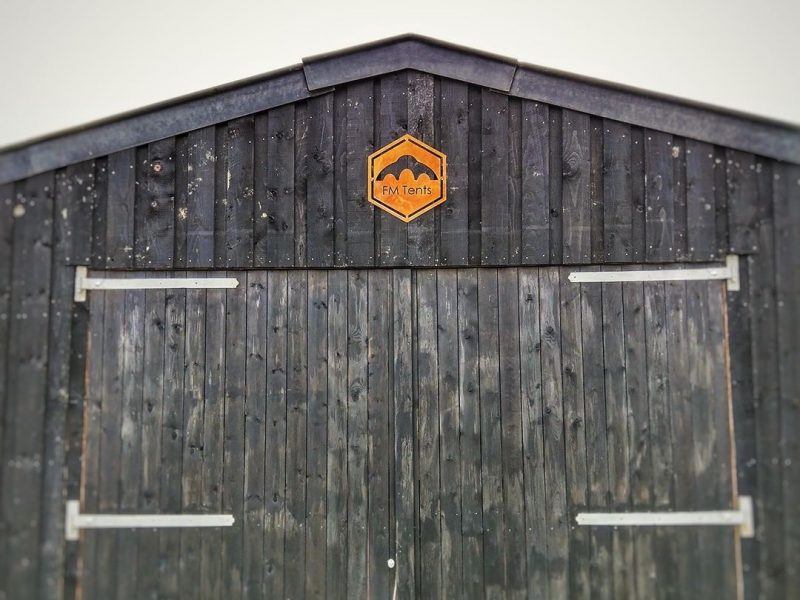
x=741, y=518
x=729, y=272
x=75, y=521
x=84, y=283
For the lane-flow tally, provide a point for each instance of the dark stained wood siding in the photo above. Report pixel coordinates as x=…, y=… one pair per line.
x=652, y=197
x=517, y=380
x=529, y=184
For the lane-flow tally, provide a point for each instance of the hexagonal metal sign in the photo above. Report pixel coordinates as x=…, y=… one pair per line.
x=407, y=178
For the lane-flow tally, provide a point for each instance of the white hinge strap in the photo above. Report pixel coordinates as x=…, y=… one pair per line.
x=729, y=272
x=84, y=283
x=741, y=518
x=75, y=521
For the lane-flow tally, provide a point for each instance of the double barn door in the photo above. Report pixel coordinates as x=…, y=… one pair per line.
x=410, y=432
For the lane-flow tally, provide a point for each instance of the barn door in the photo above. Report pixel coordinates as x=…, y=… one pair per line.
x=431, y=433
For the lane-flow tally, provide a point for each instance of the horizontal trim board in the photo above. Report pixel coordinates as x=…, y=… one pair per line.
x=729, y=272
x=743, y=518
x=83, y=283
x=639, y=108
x=75, y=521
x=435, y=58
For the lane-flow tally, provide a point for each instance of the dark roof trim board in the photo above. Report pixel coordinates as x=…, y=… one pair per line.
x=319, y=74
x=664, y=114
x=155, y=124
x=420, y=54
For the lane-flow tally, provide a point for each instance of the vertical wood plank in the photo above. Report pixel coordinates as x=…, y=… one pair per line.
x=213, y=445
x=155, y=205
x=359, y=144
x=678, y=153
x=617, y=191
x=514, y=180
x=231, y=549
x=99, y=213
x=199, y=217
x=494, y=178
x=470, y=431
x=75, y=207
x=277, y=246
x=453, y=246
x=129, y=404
x=405, y=458
x=275, y=476
x=786, y=203
x=638, y=196
x=572, y=390
x=255, y=434
x=659, y=197
x=576, y=201
x=357, y=476
x=535, y=203
x=319, y=173
x=427, y=377
x=192, y=457
x=340, y=177
x=237, y=194
x=474, y=174
x=296, y=411
x=640, y=467
x=743, y=210
x=378, y=334
x=511, y=423
x=23, y=433
x=449, y=428
x=391, y=123
x=596, y=174
x=337, y=490
x=597, y=457
x=658, y=401
x=316, y=434
x=770, y=516
x=90, y=459
x=530, y=349
x=108, y=483
x=119, y=209
x=421, y=231
x=152, y=410
x=555, y=187
x=617, y=432
x=69, y=196
x=557, y=559
x=701, y=226
x=494, y=565
x=172, y=435
x=678, y=356
x=181, y=210
x=301, y=124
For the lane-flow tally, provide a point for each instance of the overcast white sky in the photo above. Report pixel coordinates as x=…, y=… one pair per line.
x=66, y=63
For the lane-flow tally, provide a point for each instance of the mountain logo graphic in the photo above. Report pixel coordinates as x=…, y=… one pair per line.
x=407, y=178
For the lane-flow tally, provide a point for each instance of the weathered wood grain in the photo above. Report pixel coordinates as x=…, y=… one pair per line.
x=255, y=414
x=296, y=440
x=26, y=364
x=576, y=176
x=316, y=434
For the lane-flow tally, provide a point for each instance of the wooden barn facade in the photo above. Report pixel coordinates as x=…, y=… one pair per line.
x=393, y=409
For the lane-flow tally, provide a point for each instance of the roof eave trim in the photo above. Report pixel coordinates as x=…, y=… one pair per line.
x=671, y=116
x=486, y=70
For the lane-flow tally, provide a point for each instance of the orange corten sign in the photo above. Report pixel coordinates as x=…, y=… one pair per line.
x=407, y=178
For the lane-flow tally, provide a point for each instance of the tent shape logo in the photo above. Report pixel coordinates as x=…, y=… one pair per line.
x=407, y=178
